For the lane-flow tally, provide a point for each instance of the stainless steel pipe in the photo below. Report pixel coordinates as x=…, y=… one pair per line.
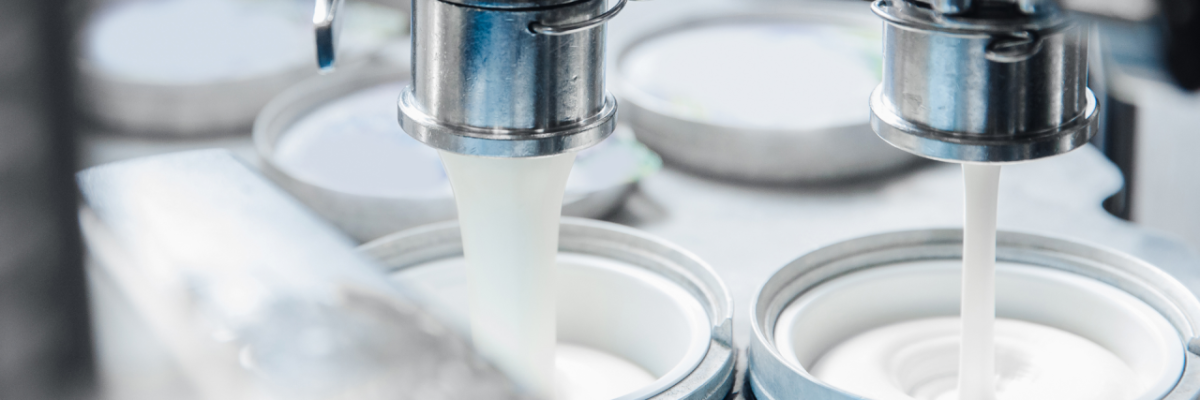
x=501, y=78
x=992, y=84
x=485, y=83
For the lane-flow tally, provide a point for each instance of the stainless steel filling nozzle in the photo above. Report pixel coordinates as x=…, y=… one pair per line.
x=501, y=78
x=982, y=81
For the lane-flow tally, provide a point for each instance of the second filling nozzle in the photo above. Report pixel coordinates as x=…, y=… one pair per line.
x=996, y=83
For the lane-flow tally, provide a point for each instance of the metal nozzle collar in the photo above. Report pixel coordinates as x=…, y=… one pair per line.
x=500, y=78
x=505, y=82
x=501, y=142
x=956, y=147
x=991, y=86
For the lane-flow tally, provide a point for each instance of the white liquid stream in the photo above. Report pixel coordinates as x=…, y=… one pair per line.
x=509, y=210
x=976, y=356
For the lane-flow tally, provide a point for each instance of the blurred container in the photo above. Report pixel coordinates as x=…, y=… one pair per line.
x=334, y=143
x=771, y=93
x=621, y=292
x=209, y=282
x=205, y=67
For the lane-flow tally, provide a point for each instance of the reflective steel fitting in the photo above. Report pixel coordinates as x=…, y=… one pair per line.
x=504, y=80
x=1001, y=82
x=500, y=78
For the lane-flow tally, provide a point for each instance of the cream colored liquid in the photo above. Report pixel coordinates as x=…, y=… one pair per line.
x=919, y=360
x=977, y=358
x=589, y=374
x=594, y=295
x=509, y=211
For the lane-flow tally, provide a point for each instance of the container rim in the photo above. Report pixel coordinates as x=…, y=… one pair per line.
x=770, y=375
x=285, y=109
x=713, y=374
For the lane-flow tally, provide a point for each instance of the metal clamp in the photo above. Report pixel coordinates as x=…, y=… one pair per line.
x=1013, y=47
x=327, y=24
x=569, y=28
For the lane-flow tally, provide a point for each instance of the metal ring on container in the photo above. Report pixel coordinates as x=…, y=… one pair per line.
x=572, y=27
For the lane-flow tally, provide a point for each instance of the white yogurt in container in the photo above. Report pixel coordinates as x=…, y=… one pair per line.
x=877, y=318
x=637, y=317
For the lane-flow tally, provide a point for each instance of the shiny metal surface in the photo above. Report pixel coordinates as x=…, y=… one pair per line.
x=500, y=142
x=485, y=84
x=511, y=4
x=773, y=378
x=954, y=147
x=712, y=379
x=998, y=86
x=326, y=24
x=753, y=154
x=253, y=296
x=572, y=27
x=951, y=7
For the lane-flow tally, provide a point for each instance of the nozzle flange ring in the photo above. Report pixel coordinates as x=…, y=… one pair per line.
x=957, y=147
x=996, y=87
x=505, y=142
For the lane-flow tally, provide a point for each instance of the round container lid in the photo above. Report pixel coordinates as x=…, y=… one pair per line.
x=772, y=74
x=776, y=93
x=198, y=66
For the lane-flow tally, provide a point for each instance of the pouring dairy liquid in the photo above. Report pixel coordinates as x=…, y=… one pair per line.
x=509, y=210
x=977, y=351
x=976, y=356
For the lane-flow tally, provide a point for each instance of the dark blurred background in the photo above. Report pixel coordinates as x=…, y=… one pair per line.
x=45, y=344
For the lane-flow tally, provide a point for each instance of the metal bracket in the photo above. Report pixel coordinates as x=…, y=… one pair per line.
x=1013, y=47
x=327, y=24
x=572, y=27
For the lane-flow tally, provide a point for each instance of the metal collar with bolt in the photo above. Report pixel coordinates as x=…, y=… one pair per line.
x=501, y=78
